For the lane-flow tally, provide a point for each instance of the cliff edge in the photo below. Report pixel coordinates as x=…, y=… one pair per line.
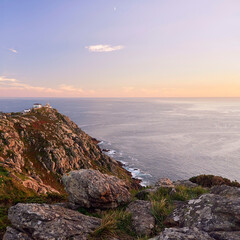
x=38, y=147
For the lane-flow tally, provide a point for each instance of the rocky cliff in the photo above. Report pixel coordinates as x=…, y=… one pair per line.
x=38, y=147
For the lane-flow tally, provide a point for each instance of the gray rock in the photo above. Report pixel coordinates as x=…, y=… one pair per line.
x=226, y=191
x=143, y=221
x=185, y=183
x=209, y=212
x=143, y=195
x=226, y=235
x=90, y=188
x=69, y=205
x=182, y=234
x=13, y=234
x=48, y=222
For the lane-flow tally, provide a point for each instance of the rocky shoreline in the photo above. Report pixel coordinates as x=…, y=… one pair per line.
x=144, y=178
x=56, y=183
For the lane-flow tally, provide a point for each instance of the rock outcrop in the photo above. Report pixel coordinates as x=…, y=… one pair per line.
x=185, y=183
x=217, y=213
x=46, y=222
x=164, y=183
x=92, y=189
x=143, y=221
x=226, y=191
x=38, y=147
x=182, y=234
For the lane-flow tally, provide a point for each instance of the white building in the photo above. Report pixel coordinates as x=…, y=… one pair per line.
x=37, y=105
x=27, y=110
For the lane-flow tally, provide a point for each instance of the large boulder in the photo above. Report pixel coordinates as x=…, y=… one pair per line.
x=47, y=222
x=143, y=221
x=182, y=234
x=90, y=188
x=212, y=213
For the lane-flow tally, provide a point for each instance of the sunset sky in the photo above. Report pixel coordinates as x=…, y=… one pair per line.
x=120, y=48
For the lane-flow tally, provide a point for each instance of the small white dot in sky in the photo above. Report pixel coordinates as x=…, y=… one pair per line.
x=114, y=9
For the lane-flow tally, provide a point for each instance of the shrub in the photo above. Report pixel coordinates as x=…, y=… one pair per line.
x=211, y=180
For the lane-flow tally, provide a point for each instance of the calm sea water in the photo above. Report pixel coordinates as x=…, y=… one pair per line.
x=175, y=138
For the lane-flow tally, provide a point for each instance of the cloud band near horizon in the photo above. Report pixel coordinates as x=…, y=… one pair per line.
x=104, y=48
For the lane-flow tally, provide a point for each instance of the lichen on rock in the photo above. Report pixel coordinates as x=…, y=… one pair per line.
x=43, y=221
x=90, y=188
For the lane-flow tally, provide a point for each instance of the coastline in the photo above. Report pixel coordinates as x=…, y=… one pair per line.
x=136, y=173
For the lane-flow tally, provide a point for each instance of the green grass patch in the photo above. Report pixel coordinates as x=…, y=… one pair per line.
x=115, y=223
x=184, y=193
x=160, y=210
x=163, y=201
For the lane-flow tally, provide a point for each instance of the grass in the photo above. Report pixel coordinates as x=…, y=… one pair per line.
x=107, y=228
x=4, y=222
x=115, y=223
x=160, y=210
x=163, y=201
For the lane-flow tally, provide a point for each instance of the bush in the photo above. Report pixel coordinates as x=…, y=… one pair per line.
x=211, y=180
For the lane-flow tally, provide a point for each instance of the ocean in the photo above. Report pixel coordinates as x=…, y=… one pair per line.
x=157, y=137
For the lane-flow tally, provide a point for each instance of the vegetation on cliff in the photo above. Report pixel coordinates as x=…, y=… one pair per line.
x=36, y=149
x=211, y=180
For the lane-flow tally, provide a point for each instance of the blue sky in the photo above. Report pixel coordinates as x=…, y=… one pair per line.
x=138, y=48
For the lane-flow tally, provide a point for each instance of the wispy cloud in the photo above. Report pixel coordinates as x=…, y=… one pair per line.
x=70, y=88
x=6, y=80
x=13, y=50
x=14, y=84
x=104, y=48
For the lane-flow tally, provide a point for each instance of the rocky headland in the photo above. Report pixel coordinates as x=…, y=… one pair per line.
x=38, y=147
x=56, y=183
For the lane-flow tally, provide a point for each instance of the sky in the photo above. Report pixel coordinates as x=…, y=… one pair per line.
x=120, y=48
